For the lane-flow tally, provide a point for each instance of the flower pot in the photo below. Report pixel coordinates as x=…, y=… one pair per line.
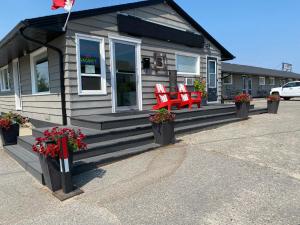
x=273, y=106
x=204, y=101
x=51, y=172
x=242, y=109
x=164, y=133
x=10, y=136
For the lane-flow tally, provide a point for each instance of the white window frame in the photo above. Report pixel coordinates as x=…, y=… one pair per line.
x=273, y=81
x=2, y=89
x=227, y=76
x=188, y=55
x=126, y=40
x=33, y=55
x=102, y=74
x=262, y=83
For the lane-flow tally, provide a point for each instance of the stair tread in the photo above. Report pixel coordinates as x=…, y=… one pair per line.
x=94, y=132
x=29, y=158
x=205, y=116
x=120, y=140
x=118, y=154
x=206, y=124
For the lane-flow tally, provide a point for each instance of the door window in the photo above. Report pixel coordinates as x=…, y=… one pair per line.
x=212, y=75
x=126, y=82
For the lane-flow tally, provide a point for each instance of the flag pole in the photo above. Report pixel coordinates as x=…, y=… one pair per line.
x=66, y=23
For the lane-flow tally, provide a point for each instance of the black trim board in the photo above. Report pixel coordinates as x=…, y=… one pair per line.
x=138, y=27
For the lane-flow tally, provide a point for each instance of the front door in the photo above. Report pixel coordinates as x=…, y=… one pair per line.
x=126, y=75
x=212, y=84
x=16, y=78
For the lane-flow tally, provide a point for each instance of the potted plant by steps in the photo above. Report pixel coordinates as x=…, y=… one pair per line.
x=10, y=127
x=273, y=103
x=49, y=150
x=163, y=127
x=201, y=86
x=242, y=103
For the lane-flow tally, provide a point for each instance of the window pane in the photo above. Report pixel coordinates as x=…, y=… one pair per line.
x=42, y=75
x=90, y=83
x=186, y=64
x=212, y=67
x=212, y=80
x=125, y=58
x=90, y=57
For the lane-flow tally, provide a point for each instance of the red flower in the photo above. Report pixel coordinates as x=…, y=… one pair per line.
x=75, y=141
x=5, y=123
x=242, y=98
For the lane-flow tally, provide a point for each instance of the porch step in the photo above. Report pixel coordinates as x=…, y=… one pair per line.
x=29, y=161
x=92, y=162
x=115, y=145
x=27, y=142
x=257, y=111
x=117, y=121
x=93, y=136
x=198, y=127
x=204, y=119
x=100, y=122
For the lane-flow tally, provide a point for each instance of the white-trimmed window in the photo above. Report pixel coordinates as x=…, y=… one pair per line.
x=40, y=71
x=4, y=79
x=262, y=81
x=271, y=81
x=187, y=64
x=90, y=65
x=227, y=79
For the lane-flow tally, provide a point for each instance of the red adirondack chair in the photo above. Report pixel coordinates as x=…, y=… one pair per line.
x=189, y=98
x=164, y=99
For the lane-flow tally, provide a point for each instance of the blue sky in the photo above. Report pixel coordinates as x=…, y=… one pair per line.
x=258, y=32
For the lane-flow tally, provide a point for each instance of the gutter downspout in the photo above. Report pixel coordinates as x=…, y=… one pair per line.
x=61, y=65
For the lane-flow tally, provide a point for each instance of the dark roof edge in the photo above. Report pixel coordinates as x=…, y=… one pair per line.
x=12, y=33
x=262, y=70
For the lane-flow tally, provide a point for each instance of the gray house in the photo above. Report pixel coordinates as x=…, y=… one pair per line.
x=255, y=81
x=108, y=60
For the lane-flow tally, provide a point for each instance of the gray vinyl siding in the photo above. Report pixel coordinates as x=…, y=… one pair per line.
x=104, y=25
x=40, y=107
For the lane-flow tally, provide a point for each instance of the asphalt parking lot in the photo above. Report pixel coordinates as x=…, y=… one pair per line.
x=241, y=173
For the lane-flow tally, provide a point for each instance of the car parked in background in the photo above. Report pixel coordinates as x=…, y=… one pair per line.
x=287, y=91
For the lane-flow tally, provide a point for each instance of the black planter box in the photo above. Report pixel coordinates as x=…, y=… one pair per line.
x=164, y=133
x=51, y=172
x=242, y=110
x=273, y=107
x=10, y=136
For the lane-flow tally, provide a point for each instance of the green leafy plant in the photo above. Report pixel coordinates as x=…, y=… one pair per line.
x=162, y=116
x=13, y=118
x=201, y=86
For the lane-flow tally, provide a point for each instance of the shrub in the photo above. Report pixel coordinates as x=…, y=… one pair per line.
x=273, y=98
x=200, y=86
x=10, y=118
x=162, y=116
x=242, y=98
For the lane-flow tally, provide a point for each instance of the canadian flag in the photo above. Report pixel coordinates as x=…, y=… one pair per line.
x=66, y=4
